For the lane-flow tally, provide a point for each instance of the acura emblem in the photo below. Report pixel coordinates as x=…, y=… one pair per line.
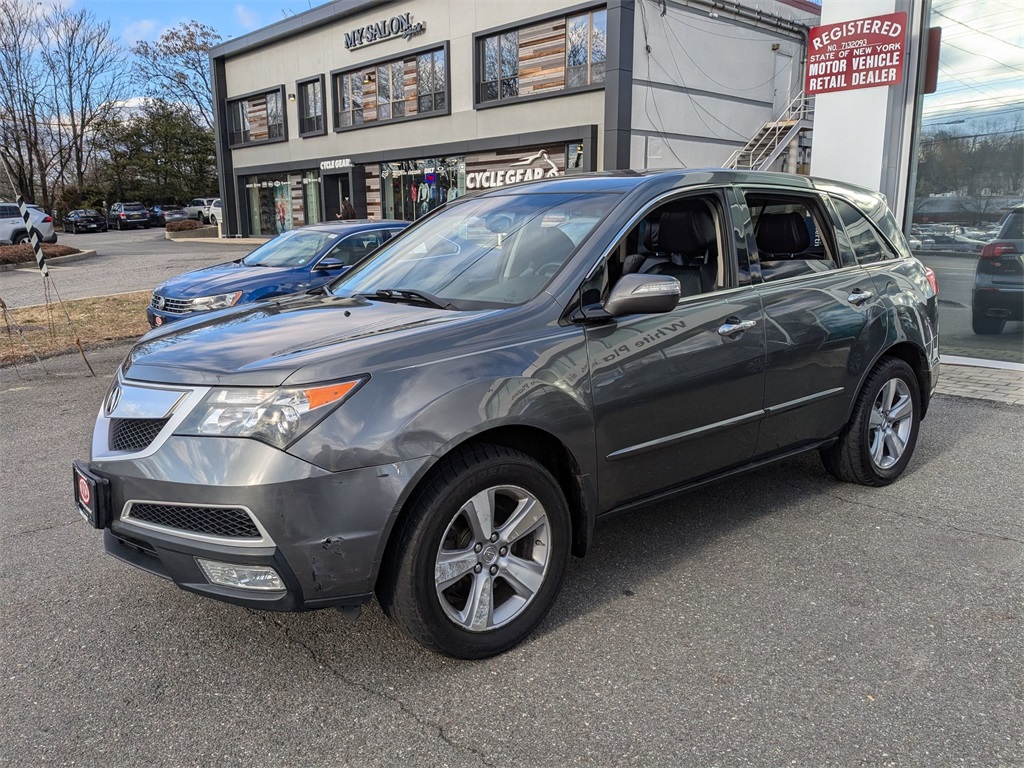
x=113, y=399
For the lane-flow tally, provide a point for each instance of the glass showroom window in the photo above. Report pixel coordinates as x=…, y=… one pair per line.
x=390, y=90
x=239, y=117
x=500, y=58
x=586, y=43
x=348, y=97
x=256, y=119
x=311, y=107
x=431, y=94
x=275, y=115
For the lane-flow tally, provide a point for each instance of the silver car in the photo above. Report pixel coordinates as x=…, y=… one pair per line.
x=12, y=227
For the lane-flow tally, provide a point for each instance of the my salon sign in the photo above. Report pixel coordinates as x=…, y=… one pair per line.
x=397, y=26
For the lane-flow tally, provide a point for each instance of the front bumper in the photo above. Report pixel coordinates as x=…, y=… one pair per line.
x=325, y=532
x=157, y=317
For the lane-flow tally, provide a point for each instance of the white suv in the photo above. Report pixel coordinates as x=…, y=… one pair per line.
x=199, y=208
x=12, y=226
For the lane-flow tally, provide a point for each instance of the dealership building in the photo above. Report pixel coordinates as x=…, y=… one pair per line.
x=401, y=106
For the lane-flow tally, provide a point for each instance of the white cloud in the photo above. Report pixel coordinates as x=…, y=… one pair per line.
x=145, y=29
x=246, y=17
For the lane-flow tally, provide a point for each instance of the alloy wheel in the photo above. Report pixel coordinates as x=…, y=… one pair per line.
x=493, y=558
x=890, y=423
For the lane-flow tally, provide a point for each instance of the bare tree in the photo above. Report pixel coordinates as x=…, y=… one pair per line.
x=84, y=66
x=24, y=126
x=176, y=68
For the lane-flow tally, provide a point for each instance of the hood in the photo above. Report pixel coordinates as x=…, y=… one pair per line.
x=267, y=342
x=224, y=278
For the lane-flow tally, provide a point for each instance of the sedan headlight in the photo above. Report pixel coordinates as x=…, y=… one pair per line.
x=276, y=416
x=220, y=301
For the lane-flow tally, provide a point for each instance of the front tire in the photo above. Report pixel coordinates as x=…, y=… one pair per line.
x=876, y=445
x=478, y=561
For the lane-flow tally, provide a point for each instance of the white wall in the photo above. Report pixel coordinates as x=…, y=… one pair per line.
x=719, y=82
x=850, y=126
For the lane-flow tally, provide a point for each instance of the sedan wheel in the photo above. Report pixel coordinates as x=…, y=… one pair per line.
x=877, y=443
x=477, y=562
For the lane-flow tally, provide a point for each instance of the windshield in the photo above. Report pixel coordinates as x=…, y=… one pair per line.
x=483, y=252
x=134, y=207
x=291, y=249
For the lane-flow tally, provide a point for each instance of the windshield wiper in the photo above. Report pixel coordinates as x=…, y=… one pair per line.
x=409, y=295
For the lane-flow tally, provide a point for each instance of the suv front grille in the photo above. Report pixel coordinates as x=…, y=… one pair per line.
x=226, y=522
x=172, y=306
x=134, y=434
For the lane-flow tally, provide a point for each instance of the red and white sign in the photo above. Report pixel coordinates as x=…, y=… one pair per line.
x=83, y=491
x=861, y=53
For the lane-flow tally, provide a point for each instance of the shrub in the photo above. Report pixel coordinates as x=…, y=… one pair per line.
x=23, y=254
x=181, y=226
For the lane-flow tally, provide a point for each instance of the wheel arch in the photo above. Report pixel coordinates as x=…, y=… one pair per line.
x=915, y=358
x=535, y=442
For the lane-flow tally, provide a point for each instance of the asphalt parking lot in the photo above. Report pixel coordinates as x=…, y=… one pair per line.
x=133, y=260
x=782, y=618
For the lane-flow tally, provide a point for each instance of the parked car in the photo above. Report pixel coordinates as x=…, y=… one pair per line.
x=199, y=208
x=443, y=424
x=160, y=215
x=12, y=226
x=297, y=260
x=128, y=216
x=998, y=293
x=214, y=214
x=955, y=244
x=84, y=220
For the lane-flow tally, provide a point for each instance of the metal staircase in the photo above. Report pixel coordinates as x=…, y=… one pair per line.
x=775, y=136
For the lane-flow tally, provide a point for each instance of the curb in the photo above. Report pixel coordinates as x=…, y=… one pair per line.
x=50, y=261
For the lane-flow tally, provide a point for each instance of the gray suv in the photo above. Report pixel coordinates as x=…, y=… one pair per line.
x=443, y=425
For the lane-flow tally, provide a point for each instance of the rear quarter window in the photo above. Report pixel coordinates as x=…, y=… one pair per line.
x=1013, y=226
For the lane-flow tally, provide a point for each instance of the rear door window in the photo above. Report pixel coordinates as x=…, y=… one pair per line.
x=792, y=234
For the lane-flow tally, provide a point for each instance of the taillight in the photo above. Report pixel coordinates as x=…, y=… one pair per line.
x=996, y=249
x=932, y=281
x=121, y=215
x=47, y=219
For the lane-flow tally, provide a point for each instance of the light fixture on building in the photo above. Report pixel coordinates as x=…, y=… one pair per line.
x=291, y=97
x=367, y=78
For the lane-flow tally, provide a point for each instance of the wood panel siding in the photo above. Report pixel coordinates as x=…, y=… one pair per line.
x=542, y=58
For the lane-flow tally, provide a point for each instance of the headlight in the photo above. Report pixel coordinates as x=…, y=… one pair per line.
x=220, y=301
x=276, y=416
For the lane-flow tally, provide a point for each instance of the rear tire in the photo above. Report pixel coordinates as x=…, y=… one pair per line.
x=21, y=239
x=876, y=445
x=983, y=325
x=476, y=563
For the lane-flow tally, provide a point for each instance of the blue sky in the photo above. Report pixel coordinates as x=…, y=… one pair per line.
x=131, y=20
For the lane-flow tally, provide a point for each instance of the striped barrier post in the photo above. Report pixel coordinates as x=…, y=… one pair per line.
x=33, y=233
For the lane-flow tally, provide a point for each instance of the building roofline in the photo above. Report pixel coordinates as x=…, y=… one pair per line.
x=292, y=25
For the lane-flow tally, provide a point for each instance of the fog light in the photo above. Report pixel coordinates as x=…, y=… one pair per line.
x=259, y=577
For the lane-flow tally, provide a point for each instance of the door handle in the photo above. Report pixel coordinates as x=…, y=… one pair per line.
x=858, y=296
x=730, y=328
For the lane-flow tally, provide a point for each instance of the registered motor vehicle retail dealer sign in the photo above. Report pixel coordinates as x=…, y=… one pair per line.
x=860, y=53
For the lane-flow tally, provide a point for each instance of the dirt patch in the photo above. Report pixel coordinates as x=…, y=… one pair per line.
x=23, y=254
x=96, y=321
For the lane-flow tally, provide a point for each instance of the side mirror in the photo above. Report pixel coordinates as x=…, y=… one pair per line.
x=330, y=264
x=643, y=295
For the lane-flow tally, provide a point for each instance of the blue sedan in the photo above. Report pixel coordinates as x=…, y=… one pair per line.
x=294, y=261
